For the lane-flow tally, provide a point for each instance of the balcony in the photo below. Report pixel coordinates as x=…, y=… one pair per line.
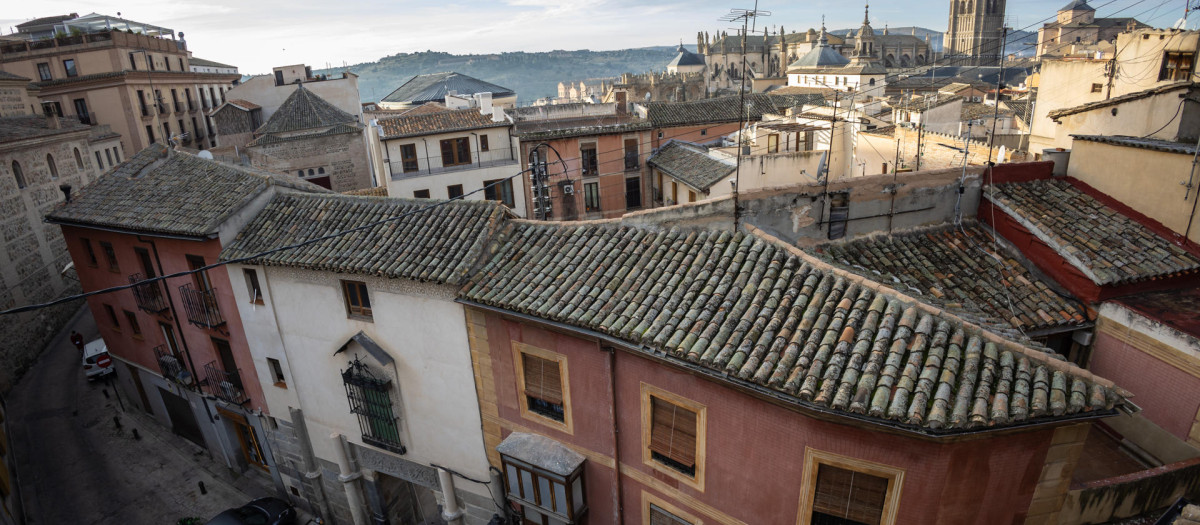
x=171, y=365
x=149, y=296
x=178, y=108
x=631, y=162
x=485, y=159
x=225, y=385
x=201, y=307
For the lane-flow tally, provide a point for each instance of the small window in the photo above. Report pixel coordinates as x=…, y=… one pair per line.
x=276, y=372
x=673, y=435
x=1096, y=88
x=69, y=65
x=358, y=301
x=543, y=386
x=691, y=196
x=116, y=154
x=455, y=191
x=112, y=317
x=91, y=253
x=253, y=290
x=591, y=196
x=150, y=133
x=408, y=158
x=659, y=516
x=52, y=166
x=310, y=172
x=44, y=71
x=588, y=159
x=483, y=143
x=100, y=160
x=660, y=134
x=499, y=190
x=19, y=175
x=299, y=173
x=134, y=327
x=840, y=489
x=1176, y=66
x=110, y=256
x=421, y=194
x=78, y=159
x=703, y=132
x=320, y=171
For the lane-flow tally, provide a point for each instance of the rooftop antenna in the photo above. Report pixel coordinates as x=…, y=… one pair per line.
x=748, y=17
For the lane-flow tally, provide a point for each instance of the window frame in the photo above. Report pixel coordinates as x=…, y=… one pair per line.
x=408, y=154
x=591, y=196
x=112, y=317
x=71, y=69
x=456, y=147
x=814, y=458
x=44, y=73
x=275, y=367
x=572, y=516
x=1172, y=68
x=110, y=256
x=135, y=328
x=567, y=425
x=499, y=190
x=483, y=142
x=647, y=393
x=372, y=420
x=253, y=288
x=52, y=166
x=359, y=311
x=90, y=251
x=649, y=500
x=589, y=163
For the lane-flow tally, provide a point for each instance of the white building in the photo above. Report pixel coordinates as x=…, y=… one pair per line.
x=369, y=346
x=825, y=67
x=200, y=65
x=445, y=154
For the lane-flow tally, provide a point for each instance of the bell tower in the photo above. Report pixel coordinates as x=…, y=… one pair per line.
x=975, y=33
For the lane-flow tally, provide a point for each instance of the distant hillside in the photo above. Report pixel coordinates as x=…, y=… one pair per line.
x=531, y=75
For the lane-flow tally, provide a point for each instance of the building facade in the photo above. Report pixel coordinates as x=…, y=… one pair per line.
x=975, y=33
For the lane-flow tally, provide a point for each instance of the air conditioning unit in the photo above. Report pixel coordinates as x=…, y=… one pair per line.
x=568, y=190
x=229, y=390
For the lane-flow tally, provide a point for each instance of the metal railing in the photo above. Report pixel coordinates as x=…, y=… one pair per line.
x=225, y=385
x=171, y=365
x=201, y=306
x=484, y=159
x=631, y=161
x=149, y=296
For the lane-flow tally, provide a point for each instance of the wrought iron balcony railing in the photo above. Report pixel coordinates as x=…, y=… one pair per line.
x=225, y=385
x=171, y=365
x=149, y=296
x=201, y=306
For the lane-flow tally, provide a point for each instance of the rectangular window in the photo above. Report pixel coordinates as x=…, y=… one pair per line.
x=421, y=194
x=840, y=489
x=633, y=193
x=456, y=152
x=181, y=68
x=81, y=111
x=132, y=62
x=483, y=143
x=150, y=61
x=199, y=278
x=91, y=253
x=499, y=190
x=408, y=158
x=167, y=131
x=100, y=160
x=111, y=256
x=369, y=394
x=158, y=104
x=588, y=159
x=543, y=386
x=1096, y=88
x=134, y=327
x=673, y=435
x=116, y=154
x=545, y=498
x=252, y=287
x=167, y=62
x=69, y=65
x=591, y=196
x=1176, y=66
x=52, y=109
x=358, y=301
x=658, y=516
x=276, y=372
x=773, y=143
x=454, y=191
x=142, y=102
x=44, y=71
x=112, y=317
x=691, y=196
x=631, y=154
x=150, y=133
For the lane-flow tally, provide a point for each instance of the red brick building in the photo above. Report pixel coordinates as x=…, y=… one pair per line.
x=178, y=345
x=717, y=377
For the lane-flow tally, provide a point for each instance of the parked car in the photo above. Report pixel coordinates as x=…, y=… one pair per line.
x=96, y=361
x=262, y=511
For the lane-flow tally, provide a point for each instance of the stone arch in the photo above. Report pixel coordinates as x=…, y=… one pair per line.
x=52, y=165
x=889, y=61
x=19, y=175
x=905, y=60
x=920, y=60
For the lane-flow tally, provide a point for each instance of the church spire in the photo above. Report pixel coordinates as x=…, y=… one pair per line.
x=867, y=15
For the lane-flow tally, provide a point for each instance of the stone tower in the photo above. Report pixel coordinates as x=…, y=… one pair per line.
x=975, y=33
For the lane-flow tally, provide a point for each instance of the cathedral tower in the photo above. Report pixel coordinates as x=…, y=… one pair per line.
x=975, y=34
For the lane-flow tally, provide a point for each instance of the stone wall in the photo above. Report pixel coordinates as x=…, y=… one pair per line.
x=342, y=157
x=33, y=253
x=940, y=151
x=1131, y=495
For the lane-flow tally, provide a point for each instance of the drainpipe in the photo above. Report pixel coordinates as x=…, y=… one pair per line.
x=347, y=477
x=616, y=432
x=478, y=152
x=450, y=511
x=312, y=471
x=428, y=164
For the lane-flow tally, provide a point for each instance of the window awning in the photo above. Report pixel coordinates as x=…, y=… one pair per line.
x=541, y=452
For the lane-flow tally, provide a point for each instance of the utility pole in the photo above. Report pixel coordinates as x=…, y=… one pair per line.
x=745, y=16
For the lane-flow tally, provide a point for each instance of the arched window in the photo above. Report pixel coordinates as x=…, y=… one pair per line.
x=310, y=172
x=53, y=167
x=78, y=159
x=320, y=171
x=871, y=82
x=16, y=169
x=299, y=173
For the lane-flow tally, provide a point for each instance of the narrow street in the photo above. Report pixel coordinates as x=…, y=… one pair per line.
x=77, y=466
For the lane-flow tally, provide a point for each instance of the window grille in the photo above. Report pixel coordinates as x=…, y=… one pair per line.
x=370, y=398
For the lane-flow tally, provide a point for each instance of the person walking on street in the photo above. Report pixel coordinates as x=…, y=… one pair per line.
x=77, y=340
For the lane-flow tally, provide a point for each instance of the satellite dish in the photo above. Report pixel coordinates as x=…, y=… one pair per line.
x=205, y=154
x=1000, y=156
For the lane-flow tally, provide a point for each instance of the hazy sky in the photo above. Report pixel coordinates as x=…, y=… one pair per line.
x=257, y=35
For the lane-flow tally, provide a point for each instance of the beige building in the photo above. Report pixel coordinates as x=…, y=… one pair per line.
x=824, y=67
x=131, y=76
x=1076, y=30
x=269, y=91
x=15, y=98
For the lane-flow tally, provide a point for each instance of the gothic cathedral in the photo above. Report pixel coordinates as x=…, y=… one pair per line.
x=976, y=33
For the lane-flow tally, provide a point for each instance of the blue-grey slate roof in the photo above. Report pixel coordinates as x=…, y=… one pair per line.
x=435, y=86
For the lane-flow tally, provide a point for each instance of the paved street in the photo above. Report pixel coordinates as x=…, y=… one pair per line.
x=76, y=466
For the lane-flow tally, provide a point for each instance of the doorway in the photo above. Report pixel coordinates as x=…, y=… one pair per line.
x=406, y=503
x=252, y=451
x=183, y=420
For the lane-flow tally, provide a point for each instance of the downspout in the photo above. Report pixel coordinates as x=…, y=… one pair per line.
x=348, y=476
x=178, y=327
x=450, y=511
x=616, y=433
x=428, y=164
x=478, y=152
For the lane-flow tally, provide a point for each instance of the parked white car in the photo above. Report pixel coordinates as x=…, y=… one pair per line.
x=96, y=361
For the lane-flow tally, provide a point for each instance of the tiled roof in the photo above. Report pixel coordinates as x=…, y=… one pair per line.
x=1140, y=142
x=178, y=194
x=437, y=122
x=423, y=109
x=959, y=270
x=304, y=109
x=1059, y=113
x=195, y=61
x=1020, y=108
x=242, y=104
x=722, y=109
x=439, y=244
x=30, y=126
x=434, y=88
x=690, y=164
x=762, y=315
x=577, y=127
x=339, y=129
x=882, y=131
x=978, y=110
x=5, y=75
x=378, y=191
x=1106, y=246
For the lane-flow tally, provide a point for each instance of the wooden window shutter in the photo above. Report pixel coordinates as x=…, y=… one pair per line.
x=662, y=517
x=543, y=379
x=673, y=432
x=850, y=495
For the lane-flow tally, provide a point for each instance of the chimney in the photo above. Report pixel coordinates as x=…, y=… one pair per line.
x=497, y=114
x=484, y=101
x=52, y=122
x=66, y=189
